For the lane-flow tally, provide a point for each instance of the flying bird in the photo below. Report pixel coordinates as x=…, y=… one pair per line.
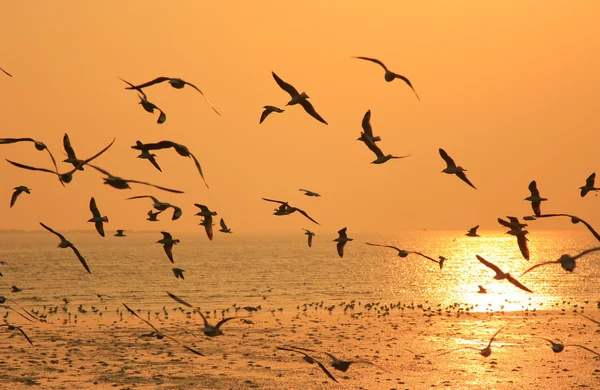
x=178, y=272
x=309, y=359
x=208, y=224
x=121, y=184
x=13, y=327
x=64, y=243
x=559, y=347
x=485, y=352
x=381, y=158
x=341, y=241
x=204, y=211
x=97, y=218
x=574, y=220
x=152, y=216
x=161, y=206
x=147, y=105
x=18, y=191
x=589, y=185
x=340, y=365
x=71, y=156
x=145, y=154
x=182, y=150
x=268, y=110
x=286, y=209
x=208, y=330
x=367, y=129
x=6, y=73
x=38, y=145
x=175, y=83
x=63, y=177
x=310, y=236
x=516, y=229
x=159, y=335
x=120, y=233
x=224, y=228
x=389, y=75
x=168, y=243
x=473, y=232
x=298, y=98
x=452, y=168
x=567, y=262
x=403, y=253
x=535, y=199
x=310, y=193
x=501, y=275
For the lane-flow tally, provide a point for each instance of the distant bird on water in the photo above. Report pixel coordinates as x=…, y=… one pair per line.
x=389, y=75
x=120, y=233
x=64, y=243
x=168, y=243
x=567, y=262
x=310, y=236
x=268, y=110
x=473, y=232
x=403, y=253
x=18, y=191
x=224, y=228
x=589, y=185
x=298, y=98
x=97, y=218
x=341, y=241
x=6, y=73
x=122, y=184
x=501, y=275
x=175, y=83
x=485, y=352
x=535, y=199
x=453, y=169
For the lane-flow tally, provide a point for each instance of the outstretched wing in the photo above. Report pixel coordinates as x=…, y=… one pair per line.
x=490, y=265
x=308, y=107
x=385, y=246
x=463, y=177
x=517, y=283
x=68, y=147
x=371, y=145
x=155, y=186
x=94, y=208
x=285, y=86
x=305, y=214
x=449, y=161
x=5, y=72
x=533, y=189
x=199, y=169
x=373, y=60
x=149, y=83
x=204, y=96
x=52, y=231
x=275, y=201
x=366, y=124
x=522, y=241
x=81, y=259
x=539, y=265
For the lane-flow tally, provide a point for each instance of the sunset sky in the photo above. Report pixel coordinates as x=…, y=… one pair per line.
x=510, y=89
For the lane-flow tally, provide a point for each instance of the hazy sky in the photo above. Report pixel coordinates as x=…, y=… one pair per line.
x=510, y=89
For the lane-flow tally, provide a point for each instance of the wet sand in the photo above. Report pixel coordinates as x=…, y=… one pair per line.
x=103, y=349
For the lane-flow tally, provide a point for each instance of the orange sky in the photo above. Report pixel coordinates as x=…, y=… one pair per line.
x=508, y=89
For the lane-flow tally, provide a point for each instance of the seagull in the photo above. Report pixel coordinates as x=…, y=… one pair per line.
x=589, y=185
x=224, y=228
x=452, y=168
x=208, y=224
x=208, y=330
x=182, y=150
x=381, y=158
x=535, y=198
x=38, y=145
x=559, y=347
x=63, y=177
x=311, y=360
x=310, y=236
x=340, y=365
x=168, y=243
x=473, y=232
x=152, y=216
x=310, y=193
x=64, y=243
x=298, y=98
x=18, y=191
x=512, y=223
x=567, y=262
x=516, y=229
x=5, y=72
x=161, y=206
x=268, y=110
x=121, y=184
x=159, y=335
x=145, y=154
x=96, y=217
x=341, y=241
x=119, y=233
x=574, y=220
x=148, y=106
x=286, y=209
x=389, y=75
x=175, y=83
x=501, y=275
x=71, y=156
x=482, y=290
x=204, y=211
x=178, y=272
x=367, y=129
x=13, y=327
x=403, y=253
x=485, y=352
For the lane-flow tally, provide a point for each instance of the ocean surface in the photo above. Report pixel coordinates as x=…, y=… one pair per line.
x=283, y=272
